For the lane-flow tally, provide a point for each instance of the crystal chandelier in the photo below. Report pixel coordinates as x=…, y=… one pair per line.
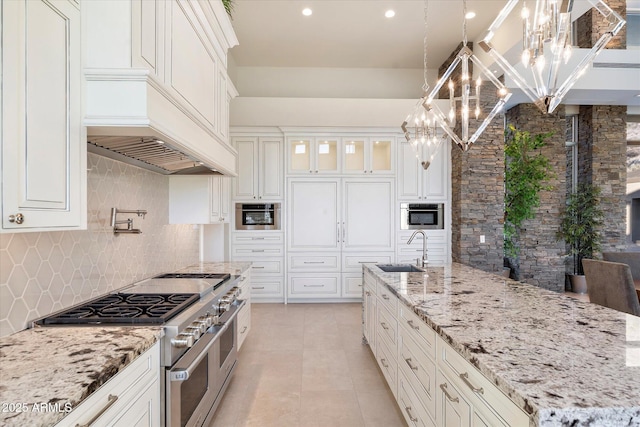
x=460, y=106
x=419, y=127
x=546, y=48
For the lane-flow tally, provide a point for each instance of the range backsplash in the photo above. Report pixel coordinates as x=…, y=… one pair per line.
x=44, y=272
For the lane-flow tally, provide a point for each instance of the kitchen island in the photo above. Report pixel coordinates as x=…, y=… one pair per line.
x=561, y=361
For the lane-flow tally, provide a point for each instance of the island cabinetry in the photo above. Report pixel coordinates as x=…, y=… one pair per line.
x=369, y=310
x=416, y=184
x=243, y=325
x=131, y=397
x=333, y=225
x=265, y=251
x=43, y=142
x=197, y=199
x=260, y=168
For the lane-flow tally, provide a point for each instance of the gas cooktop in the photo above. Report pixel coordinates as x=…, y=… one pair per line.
x=124, y=309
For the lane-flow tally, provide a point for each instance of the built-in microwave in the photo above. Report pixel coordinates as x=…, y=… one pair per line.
x=257, y=216
x=421, y=216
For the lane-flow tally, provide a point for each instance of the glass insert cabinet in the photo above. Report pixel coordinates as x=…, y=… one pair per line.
x=346, y=155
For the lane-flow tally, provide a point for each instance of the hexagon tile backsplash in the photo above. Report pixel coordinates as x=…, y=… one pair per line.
x=45, y=272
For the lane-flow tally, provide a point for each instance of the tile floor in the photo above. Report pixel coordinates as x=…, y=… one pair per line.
x=304, y=365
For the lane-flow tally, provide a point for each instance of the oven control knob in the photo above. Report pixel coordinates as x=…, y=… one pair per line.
x=201, y=325
x=182, y=340
x=207, y=319
x=193, y=331
x=235, y=291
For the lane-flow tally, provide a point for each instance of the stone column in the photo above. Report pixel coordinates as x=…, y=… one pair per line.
x=541, y=255
x=590, y=26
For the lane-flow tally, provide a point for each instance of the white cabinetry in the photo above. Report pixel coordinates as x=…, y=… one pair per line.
x=158, y=68
x=333, y=225
x=437, y=247
x=260, y=169
x=130, y=398
x=340, y=155
x=433, y=384
x=417, y=184
x=43, y=141
x=265, y=251
x=198, y=199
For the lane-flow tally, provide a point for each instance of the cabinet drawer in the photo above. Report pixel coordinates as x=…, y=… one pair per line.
x=387, y=298
x=418, y=330
x=419, y=369
x=410, y=405
x=126, y=386
x=262, y=288
x=485, y=398
x=243, y=325
x=387, y=364
x=314, y=263
x=433, y=237
x=266, y=266
x=307, y=285
x=387, y=327
x=260, y=238
x=257, y=251
x=352, y=285
x=353, y=262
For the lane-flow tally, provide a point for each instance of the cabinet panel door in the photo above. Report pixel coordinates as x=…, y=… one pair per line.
x=246, y=181
x=43, y=149
x=436, y=176
x=368, y=215
x=271, y=169
x=313, y=214
x=452, y=409
x=409, y=173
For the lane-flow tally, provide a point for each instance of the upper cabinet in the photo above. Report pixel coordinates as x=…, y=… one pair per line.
x=416, y=183
x=260, y=168
x=199, y=199
x=159, y=68
x=43, y=143
x=345, y=155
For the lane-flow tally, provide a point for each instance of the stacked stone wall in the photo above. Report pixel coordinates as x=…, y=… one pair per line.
x=541, y=258
x=592, y=24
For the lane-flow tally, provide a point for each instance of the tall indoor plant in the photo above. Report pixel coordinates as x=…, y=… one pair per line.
x=526, y=171
x=580, y=228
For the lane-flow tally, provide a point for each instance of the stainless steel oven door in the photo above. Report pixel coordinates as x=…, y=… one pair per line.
x=257, y=216
x=421, y=216
x=194, y=382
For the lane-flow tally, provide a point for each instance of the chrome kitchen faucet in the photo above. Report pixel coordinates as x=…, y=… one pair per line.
x=420, y=262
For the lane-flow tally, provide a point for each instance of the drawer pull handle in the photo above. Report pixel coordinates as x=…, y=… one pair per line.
x=410, y=322
x=385, y=296
x=258, y=267
x=257, y=250
x=257, y=287
x=367, y=293
x=384, y=326
x=384, y=363
x=443, y=387
x=411, y=365
x=314, y=286
x=314, y=262
x=110, y=401
x=411, y=417
x=465, y=379
x=243, y=330
x=257, y=238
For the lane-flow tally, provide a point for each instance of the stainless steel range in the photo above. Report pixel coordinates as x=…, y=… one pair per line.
x=198, y=314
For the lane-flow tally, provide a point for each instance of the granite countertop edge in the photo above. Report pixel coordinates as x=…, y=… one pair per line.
x=539, y=416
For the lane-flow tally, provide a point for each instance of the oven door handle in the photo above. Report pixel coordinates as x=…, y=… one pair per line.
x=184, y=374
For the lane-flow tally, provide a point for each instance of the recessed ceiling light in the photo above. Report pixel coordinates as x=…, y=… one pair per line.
x=307, y=12
x=390, y=13
x=470, y=15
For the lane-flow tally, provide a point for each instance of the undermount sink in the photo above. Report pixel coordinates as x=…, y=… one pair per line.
x=399, y=268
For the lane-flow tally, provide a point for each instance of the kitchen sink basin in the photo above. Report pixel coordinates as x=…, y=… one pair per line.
x=399, y=268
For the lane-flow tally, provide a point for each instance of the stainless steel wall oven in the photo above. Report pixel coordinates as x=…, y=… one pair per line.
x=257, y=216
x=421, y=216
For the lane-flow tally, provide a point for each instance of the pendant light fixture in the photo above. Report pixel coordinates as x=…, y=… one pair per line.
x=464, y=102
x=546, y=48
x=419, y=127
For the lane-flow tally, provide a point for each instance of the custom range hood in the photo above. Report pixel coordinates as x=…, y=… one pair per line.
x=151, y=153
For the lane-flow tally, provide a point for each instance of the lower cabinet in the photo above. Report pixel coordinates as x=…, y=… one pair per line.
x=433, y=384
x=130, y=398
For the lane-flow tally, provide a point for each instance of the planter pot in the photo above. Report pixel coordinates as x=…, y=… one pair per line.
x=506, y=272
x=578, y=283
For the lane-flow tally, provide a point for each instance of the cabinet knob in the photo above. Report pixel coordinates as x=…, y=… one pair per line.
x=17, y=218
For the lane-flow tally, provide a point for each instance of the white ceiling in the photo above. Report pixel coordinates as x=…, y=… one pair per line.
x=353, y=33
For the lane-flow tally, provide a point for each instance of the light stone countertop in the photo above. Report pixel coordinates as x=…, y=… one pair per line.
x=563, y=361
x=63, y=365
